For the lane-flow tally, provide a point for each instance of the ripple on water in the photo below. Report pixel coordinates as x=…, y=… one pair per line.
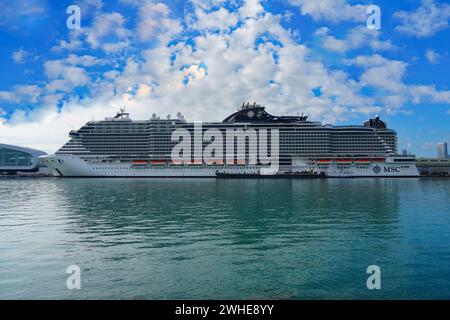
x=175, y=239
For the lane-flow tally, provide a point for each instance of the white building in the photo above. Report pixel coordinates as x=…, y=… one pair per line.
x=15, y=159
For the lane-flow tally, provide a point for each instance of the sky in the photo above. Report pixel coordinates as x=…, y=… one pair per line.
x=203, y=58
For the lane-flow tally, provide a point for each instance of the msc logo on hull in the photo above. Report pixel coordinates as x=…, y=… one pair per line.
x=377, y=169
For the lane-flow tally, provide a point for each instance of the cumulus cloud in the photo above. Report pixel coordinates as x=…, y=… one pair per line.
x=73, y=44
x=153, y=18
x=432, y=56
x=331, y=10
x=21, y=93
x=204, y=72
x=107, y=29
x=220, y=20
x=84, y=60
x=90, y=6
x=207, y=5
x=355, y=38
x=64, y=77
x=388, y=76
x=428, y=19
x=20, y=55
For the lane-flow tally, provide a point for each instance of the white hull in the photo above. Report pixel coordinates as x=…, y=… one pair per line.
x=387, y=168
x=73, y=166
x=377, y=170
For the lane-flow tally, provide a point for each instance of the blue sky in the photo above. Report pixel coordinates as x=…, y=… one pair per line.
x=205, y=57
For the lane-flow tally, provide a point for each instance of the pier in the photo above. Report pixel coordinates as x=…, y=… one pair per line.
x=433, y=167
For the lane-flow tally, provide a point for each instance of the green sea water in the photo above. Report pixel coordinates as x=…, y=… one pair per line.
x=224, y=239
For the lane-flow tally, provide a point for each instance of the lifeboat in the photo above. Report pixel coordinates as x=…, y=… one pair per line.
x=158, y=162
x=140, y=162
x=363, y=161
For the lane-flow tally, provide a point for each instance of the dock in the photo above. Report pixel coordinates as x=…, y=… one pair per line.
x=433, y=167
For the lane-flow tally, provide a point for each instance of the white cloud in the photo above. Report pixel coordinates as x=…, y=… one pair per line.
x=20, y=55
x=206, y=77
x=111, y=74
x=368, y=61
x=64, y=77
x=383, y=73
x=432, y=56
x=331, y=10
x=8, y=96
x=84, y=60
x=389, y=75
x=356, y=38
x=251, y=9
x=46, y=128
x=90, y=6
x=105, y=27
x=207, y=5
x=224, y=70
x=422, y=93
x=152, y=17
x=73, y=44
x=220, y=19
x=144, y=90
x=21, y=93
x=428, y=19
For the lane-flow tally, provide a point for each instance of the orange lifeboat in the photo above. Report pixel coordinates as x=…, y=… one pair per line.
x=158, y=162
x=140, y=162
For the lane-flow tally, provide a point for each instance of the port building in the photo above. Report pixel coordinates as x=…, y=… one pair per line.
x=16, y=159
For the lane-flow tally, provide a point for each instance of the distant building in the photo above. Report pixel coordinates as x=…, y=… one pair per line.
x=15, y=159
x=405, y=152
x=442, y=150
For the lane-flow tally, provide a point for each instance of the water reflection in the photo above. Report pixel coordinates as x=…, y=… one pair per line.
x=232, y=211
x=258, y=238
x=228, y=239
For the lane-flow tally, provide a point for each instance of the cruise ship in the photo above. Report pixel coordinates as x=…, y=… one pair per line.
x=122, y=147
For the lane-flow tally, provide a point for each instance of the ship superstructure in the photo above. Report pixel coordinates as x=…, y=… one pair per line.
x=121, y=147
